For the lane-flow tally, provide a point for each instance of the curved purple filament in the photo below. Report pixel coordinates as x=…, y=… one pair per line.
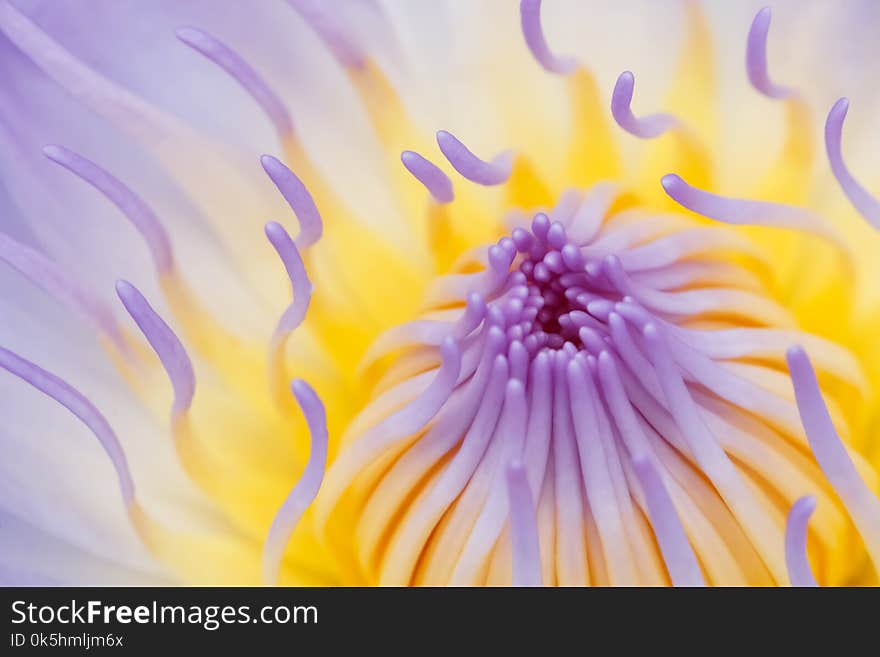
x=305, y=490
x=130, y=204
x=523, y=528
x=298, y=198
x=346, y=52
x=863, y=202
x=744, y=212
x=46, y=274
x=799, y=571
x=470, y=166
x=831, y=454
x=684, y=569
x=299, y=281
x=647, y=127
x=756, y=58
x=164, y=342
x=242, y=72
x=530, y=19
x=74, y=401
x=430, y=175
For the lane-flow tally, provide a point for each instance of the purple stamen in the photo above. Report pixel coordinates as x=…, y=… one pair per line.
x=299, y=200
x=831, y=454
x=74, y=401
x=756, y=58
x=164, y=342
x=556, y=235
x=523, y=528
x=301, y=286
x=55, y=281
x=711, y=457
x=530, y=19
x=430, y=175
x=243, y=73
x=483, y=536
x=404, y=422
x=305, y=490
x=745, y=212
x=523, y=239
x=799, y=571
x=647, y=127
x=112, y=101
x=470, y=166
x=684, y=570
x=863, y=202
x=130, y=204
x=541, y=227
x=321, y=18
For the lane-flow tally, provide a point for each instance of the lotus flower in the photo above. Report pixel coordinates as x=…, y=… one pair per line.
x=593, y=332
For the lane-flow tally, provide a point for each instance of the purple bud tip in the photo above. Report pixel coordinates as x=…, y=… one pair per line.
x=862, y=201
x=647, y=127
x=298, y=198
x=242, y=72
x=470, y=166
x=300, y=284
x=756, y=58
x=164, y=342
x=430, y=175
x=530, y=19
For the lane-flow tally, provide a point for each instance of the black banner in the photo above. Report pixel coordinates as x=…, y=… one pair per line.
x=252, y=619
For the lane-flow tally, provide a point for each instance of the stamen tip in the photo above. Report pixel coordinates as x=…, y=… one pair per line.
x=795, y=354
x=807, y=503
x=840, y=108
x=430, y=175
x=515, y=470
x=53, y=152
x=124, y=289
x=188, y=34
x=671, y=182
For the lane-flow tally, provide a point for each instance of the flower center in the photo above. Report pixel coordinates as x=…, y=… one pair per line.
x=622, y=357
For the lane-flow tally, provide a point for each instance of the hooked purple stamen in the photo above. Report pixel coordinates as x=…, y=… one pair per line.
x=470, y=166
x=647, y=127
x=530, y=19
x=756, y=58
x=301, y=286
x=74, y=401
x=130, y=204
x=168, y=347
x=298, y=198
x=430, y=175
x=799, y=571
x=303, y=493
x=863, y=202
x=243, y=73
x=831, y=454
